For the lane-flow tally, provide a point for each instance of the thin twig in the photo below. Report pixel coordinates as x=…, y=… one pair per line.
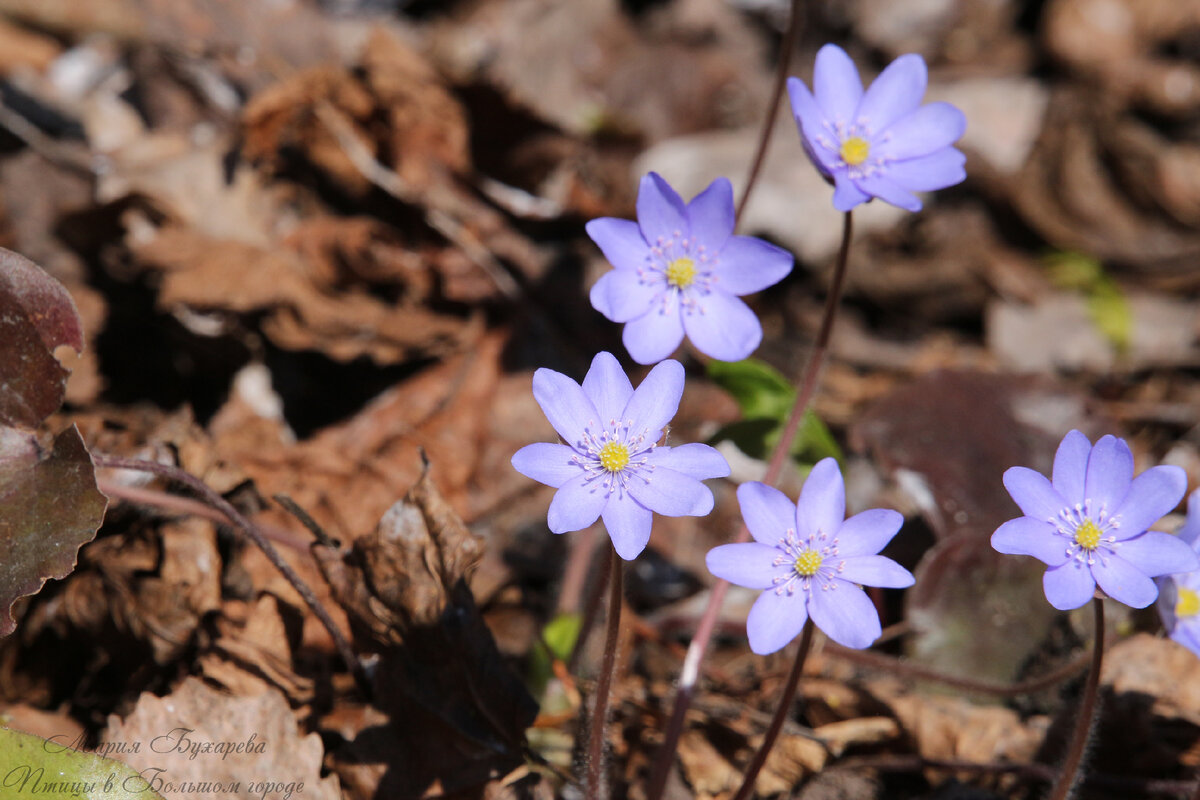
x=764, y=138
x=782, y=712
x=690, y=672
x=608, y=665
x=202, y=490
x=1085, y=723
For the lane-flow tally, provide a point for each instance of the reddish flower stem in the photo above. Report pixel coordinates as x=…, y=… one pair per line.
x=251, y=531
x=782, y=711
x=608, y=666
x=690, y=672
x=1085, y=723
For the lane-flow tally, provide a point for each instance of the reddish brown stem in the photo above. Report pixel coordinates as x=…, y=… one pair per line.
x=608, y=666
x=235, y=517
x=1085, y=722
x=708, y=620
x=781, y=714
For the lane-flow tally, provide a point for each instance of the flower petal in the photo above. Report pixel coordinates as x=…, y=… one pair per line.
x=607, y=386
x=1190, y=532
x=655, y=335
x=1070, y=467
x=723, y=328
x=576, y=505
x=1032, y=493
x=747, y=265
x=946, y=167
x=620, y=240
x=660, y=210
x=768, y=512
x=670, y=493
x=1152, y=495
x=628, y=524
x=822, y=503
x=697, y=460
x=845, y=614
x=875, y=571
x=1154, y=553
x=622, y=295
x=925, y=131
x=1028, y=536
x=655, y=400
x=1123, y=582
x=868, y=532
x=564, y=404
x=748, y=564
x=836, y=85
x=1109, y=471
x=1068, y=586
x=774, y=620
x=711, y=216
x=881, y=186
x=896, y=92
x=805, y=111
x=846, y=195
x=547, y=463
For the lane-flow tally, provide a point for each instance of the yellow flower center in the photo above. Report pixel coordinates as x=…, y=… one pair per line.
x=1188, y=604
x=681, y=272
x=1087, y=535
x=808, y=562
x=614, y=457
x=855, y=150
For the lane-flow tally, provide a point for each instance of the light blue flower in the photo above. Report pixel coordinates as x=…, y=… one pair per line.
x=1179, y=594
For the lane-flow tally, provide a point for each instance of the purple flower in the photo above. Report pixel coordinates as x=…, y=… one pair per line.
x=1090, y=522
x=1179, y=595
x=611, y=465
x=679, y=269
x=808, y=558
x=878, y=143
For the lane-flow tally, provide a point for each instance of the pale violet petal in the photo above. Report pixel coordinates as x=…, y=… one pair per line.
x=822, y=504
x=868, y=532
x=768, y=512
x=576, y=505
x=880, y=185
x=1122, y=581
x=722, y=327
x=897, y=91
x=748, y=564
x=551, y=464
x=1154, y=554
x=1109, y=472
x=622, y=295
x=1152, y=495
x=656, y=399
x=808, y=115
x=661, y=213
x=836, y=85
x=1070, y=467
x=1068, y=586
x=1027, y=536
x=711, y=216
x=846, y=195
x=620, y=240
x=670, y=493
x=1033, y=493
x=747, y=265
x=564, y=404
x=926, y=130
x=874, y=571
x=607, y=386
x=775, y=620
x=655, y=335
x=946, y=167
x=628, y=524
x=845, y=614
x=697, y=460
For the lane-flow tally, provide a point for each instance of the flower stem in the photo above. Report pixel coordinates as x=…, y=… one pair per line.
x=1085, y=723
x=251, y=531
x=608, y=664
x=781, y=714
x=785, y=59
x=708, y=620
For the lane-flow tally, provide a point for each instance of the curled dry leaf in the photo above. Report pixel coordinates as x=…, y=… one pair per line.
x=458, y=712
x=197, y=736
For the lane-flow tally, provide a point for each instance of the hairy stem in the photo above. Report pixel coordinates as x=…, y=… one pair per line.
x=708, y=620
x=781, y=715
x=781, y=70
x=252, y=532
x=608, y=665
x=1085, y=723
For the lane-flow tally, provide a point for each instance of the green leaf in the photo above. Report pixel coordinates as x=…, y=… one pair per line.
x=1106, y=303
x=559, y=636
x=31, y=766
x=765, y=398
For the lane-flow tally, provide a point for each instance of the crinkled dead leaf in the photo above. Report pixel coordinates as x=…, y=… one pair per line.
x=34, y=767
x=459, y=710
x=197, y=735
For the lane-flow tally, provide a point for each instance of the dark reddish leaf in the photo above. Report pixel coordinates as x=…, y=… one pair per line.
x=47, y=302
x=49, y=507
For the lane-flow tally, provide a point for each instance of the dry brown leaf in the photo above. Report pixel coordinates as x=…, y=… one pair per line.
x=197, y=735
